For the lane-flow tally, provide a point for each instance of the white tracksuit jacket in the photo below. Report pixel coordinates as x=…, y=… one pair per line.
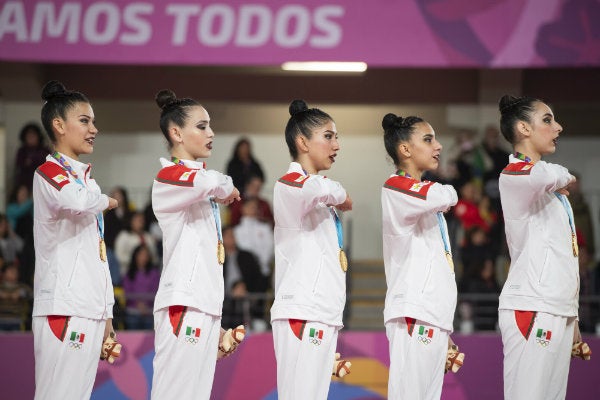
x=70, y=279
x=544, y=273
x=420, y=282
x=191, y=274
x=309, y=282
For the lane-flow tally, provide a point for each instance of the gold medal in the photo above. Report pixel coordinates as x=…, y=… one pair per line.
x=102, y=250
x=220, y=252
x=343, y=261
x=450, y=261
x=575, y=246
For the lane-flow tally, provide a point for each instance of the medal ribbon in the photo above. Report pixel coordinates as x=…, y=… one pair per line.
x=338, y=228
x=569, y=210
x=217, y=214
x=65, y=164
x=442, y=225
x=522, y=157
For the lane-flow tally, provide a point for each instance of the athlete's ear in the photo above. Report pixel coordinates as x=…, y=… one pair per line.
x=175, y=135
x=302, y=143
x=404, y=150
x=59, y=126
x=524, y=128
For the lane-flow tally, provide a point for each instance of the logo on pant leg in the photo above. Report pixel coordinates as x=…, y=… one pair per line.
x=76, y=340
x=315, y=336
x=192, y=335
x=425, y=335
x=543, y=337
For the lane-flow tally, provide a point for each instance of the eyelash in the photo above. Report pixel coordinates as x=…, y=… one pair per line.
x=547, y=120
x=202, y=127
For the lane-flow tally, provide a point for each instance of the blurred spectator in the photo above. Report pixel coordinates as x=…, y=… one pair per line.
x=496, y=156
x=582, y=214
x=117, y=219
x=30, y=155
x=474, y=250
x=589, y=310
x=140, y=285
x=20, y=205
x=20, y=214
x=252, y=191
x=242, y=276
x=242, y=164
x=10, y=243
x=255, y=236
x=129, y=239
x=470, y=211
x=460, y=154
x=152, y=226
x=15, y=300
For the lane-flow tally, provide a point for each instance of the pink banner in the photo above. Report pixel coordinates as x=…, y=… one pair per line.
x=251, y=372
x=383, y=33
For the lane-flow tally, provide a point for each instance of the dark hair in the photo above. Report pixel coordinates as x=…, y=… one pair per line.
x=57, y=101
x=173, y=110
x=302, y=121
x=512, y=110
x=238, y=144
x=132, y=271
x=395, y=130
x=35, y=128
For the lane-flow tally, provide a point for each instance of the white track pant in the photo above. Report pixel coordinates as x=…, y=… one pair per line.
x=417, y=358
x=537, y=354
x=67, y=352
x=305, y=352
x=186, y=342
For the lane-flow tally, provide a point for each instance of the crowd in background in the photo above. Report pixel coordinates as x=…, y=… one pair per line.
x=134, y=240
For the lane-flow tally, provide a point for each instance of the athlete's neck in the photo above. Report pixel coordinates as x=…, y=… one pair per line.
x=527, y=149
x=66, y=151
x=181, y=154
x=306, y=164
x=411, y=171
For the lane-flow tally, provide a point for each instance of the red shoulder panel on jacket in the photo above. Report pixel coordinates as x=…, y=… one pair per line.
x=409, y=186
x=54, y=174
x=294, y=179
x=519, y=168
x=177, y=175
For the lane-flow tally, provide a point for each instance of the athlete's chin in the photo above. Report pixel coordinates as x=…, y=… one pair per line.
x=87, y=149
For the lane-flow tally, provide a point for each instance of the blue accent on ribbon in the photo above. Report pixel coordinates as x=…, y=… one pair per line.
x=338, y=228
x=568, y=209
x=65, y=164
x=442, y=225
x=217, y=214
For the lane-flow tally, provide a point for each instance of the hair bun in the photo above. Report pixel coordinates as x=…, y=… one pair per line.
x=298, y=106
x=388, y=121
x=508, y=101
x=392, y=121
x=165, y=98
x=53, y=88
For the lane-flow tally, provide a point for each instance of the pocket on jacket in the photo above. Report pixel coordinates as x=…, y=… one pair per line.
x=74, y=270
x=543, y=269
x=427, y=276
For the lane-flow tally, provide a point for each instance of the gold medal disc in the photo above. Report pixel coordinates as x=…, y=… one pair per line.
x=343, y=261
x=575, y=246
x=102, y=250
x=220, y=252
x=450, y=261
